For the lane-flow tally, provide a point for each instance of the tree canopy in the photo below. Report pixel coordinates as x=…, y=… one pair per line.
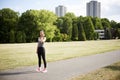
x=15, y=28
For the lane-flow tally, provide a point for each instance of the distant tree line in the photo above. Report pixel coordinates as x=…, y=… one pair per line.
x=16, y=28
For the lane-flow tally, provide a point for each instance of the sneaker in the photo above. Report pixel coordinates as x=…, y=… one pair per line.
x=38, y=69
x=44, y=70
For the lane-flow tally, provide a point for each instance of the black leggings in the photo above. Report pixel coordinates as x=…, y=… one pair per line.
x=41, y=53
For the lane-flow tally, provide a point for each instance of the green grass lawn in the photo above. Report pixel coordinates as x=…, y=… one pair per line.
x=111, y=72
x=17, y=55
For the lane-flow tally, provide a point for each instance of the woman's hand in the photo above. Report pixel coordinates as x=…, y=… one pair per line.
x=43, y=39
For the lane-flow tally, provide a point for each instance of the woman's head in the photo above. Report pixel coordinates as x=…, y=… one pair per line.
x=42, y=33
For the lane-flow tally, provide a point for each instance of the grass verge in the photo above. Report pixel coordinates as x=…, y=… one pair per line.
x=17, y=55
x=111, y=72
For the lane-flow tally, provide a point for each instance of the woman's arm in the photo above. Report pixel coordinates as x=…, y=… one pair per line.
x=44, y=39
x=37, y=45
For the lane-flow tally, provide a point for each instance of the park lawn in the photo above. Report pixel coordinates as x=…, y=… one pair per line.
x=17, y=55
x=111, y=72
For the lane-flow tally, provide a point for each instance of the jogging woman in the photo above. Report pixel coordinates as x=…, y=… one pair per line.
x=41, y=52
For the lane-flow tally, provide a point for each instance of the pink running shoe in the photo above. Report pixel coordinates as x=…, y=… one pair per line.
x=38, y=69
x=44, y=70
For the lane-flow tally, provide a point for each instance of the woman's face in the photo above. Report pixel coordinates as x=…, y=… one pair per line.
x=41, y=33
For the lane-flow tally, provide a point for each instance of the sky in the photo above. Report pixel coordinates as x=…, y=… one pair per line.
x=109, y=8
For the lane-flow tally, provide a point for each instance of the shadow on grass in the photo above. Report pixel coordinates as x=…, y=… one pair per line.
x=118, y=77
x=16, y=73
x=116, y=68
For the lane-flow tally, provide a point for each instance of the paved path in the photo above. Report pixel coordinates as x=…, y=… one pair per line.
x=64, y=69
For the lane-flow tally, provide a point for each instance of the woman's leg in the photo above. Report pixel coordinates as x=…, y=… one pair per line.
x=39, y=58
x=44, y=58
x=39, y=63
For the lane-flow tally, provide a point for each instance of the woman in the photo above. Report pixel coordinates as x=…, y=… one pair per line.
x=41, y=52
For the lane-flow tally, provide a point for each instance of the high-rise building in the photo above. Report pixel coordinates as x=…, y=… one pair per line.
x=94, y=9
x=60, y=10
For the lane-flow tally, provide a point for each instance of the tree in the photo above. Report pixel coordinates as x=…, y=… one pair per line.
x=32, y=21
x=12, y=37
x=28, y=24
x=118, y=34
x=108, y=34
x=67, y=26
x=70, y=15
x=107, y=28
x=118, y=30
x=8, y=23
x=74, y=30
x=19, y=37
x=113, y=24
x=23, y=37
x=89, y=29
x=65, y=37
x=58, y=36
x=59, y=23
x=118, y=25
x=115, y=31
x=105, y=23
x=96, y=36
x=81, y=32
x=97, y=23
x=46, y=22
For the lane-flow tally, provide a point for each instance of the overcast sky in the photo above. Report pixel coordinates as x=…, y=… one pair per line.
x=109, y=8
